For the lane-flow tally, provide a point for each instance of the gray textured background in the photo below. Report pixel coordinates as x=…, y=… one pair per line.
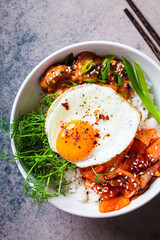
x=31, y=30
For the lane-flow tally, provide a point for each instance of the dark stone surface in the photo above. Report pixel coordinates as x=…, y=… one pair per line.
x=29, y=31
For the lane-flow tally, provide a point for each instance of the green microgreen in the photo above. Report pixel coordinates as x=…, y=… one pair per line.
x=118, y=79
x=99, y=178
x=87, y=67
x=68, y=59
x=4, y=126
x=45, y=168
x=141, y=88
x=73, y=166
x=122, y=94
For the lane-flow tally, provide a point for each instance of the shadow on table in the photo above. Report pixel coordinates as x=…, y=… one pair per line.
x=143, y=223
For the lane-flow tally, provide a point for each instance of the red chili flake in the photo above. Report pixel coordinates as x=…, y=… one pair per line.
x=97, y=135
x=107, y=117
x=65, y=105
x=63, y=127
x=77, y=136
x=101, y=116
x=95, y=142
x=65, y=141
x=108, y=135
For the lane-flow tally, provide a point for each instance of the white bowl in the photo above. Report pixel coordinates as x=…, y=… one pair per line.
x=27, y=99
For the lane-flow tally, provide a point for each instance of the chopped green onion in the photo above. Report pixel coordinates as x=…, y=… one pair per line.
x=68, y=84
x=101, y=81
x=87, y=67
x=105, y=70
x=131, y=75
x=122, y=94
x=118, y=79
x=74, y=83
x=90, y=80
x=141, y=79
x=109, y=57
x=68, y=60
x=141, y=88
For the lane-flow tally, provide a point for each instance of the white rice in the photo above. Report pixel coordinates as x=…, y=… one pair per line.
x=76, y=189
x=147, y=120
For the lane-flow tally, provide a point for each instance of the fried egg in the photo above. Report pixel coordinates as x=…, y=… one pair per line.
x=90, y=124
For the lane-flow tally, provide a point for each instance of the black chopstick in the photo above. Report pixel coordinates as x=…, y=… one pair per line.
x=145, y=22
x=143, y=34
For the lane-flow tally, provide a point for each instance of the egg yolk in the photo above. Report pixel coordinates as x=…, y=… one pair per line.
x=76, y=140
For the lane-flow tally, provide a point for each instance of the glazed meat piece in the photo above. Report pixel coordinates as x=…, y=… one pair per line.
x=59, y=78
x=81, y=60
x=54, y=77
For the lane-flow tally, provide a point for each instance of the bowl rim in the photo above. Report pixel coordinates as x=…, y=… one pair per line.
x=13, y=111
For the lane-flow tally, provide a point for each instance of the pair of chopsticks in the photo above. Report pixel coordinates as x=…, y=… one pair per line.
x=141, y=31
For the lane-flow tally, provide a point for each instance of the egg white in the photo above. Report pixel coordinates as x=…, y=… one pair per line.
x=115, y=134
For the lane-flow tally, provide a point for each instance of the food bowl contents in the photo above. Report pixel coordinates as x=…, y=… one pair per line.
x=86, y=67
x=96, y=136
x=96, y=118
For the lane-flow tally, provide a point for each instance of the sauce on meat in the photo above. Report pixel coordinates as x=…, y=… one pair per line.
x=58, y=77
